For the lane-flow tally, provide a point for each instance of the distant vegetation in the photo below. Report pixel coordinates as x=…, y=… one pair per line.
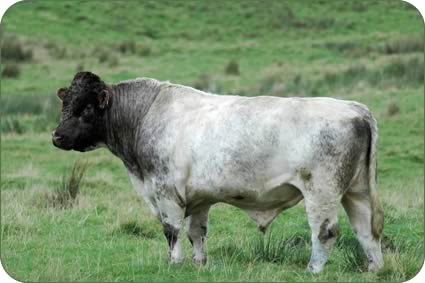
x=87, y=224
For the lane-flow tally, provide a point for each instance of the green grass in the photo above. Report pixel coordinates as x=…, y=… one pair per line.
x=370, y=51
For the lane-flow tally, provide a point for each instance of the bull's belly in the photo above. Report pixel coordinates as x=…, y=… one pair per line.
x=258, y=203
x=282, y=197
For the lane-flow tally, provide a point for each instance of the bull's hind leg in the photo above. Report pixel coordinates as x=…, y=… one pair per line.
x=359, y=210
x=197, y=234
x=322, y=213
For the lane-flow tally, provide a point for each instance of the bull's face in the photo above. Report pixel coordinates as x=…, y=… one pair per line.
x=84, y=103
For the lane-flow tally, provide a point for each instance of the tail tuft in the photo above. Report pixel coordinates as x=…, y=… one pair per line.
x=377, y=212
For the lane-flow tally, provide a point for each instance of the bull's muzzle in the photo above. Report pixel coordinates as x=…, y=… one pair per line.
x=58, y=139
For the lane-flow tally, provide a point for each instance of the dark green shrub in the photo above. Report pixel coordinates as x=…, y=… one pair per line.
x=127, y=47
x=232, y=68
x=12, y=50
x=11, y=71
x=407, y=44
x=393, y=109
x=56, y=51
x=151, y=33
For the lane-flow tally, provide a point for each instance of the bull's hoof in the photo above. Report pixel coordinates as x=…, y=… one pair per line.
x=199, y=260
x=314, y=268
x=375, y=267
x=175, y=260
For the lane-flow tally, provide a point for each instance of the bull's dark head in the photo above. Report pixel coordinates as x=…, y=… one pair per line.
x=84, y=103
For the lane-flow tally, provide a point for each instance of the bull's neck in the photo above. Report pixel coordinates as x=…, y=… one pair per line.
x=129, y=103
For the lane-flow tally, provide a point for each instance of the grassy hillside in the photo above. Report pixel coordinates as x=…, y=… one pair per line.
x=369, y=51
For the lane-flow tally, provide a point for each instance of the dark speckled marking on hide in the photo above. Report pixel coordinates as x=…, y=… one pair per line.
x=153, y=163
x=177, y=197
x=349, y=160
x=163, y=215
x=327, y=142
x=204, y=230
x=305, y=174
x=327, y=232
x=171, y=233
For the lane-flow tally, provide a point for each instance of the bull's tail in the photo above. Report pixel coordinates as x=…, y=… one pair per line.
x=377, y=220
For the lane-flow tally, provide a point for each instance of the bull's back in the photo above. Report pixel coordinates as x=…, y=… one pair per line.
x=243, y=143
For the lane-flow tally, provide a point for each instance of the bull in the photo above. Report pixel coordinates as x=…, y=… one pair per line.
x=186, y=150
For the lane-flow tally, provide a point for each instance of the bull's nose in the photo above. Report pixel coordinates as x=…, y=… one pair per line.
x=56, y=137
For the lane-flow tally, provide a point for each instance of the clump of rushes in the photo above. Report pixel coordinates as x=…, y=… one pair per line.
x=66, y=194
x=393, y=109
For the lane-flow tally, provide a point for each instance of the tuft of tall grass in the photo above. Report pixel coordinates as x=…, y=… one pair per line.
x=270, y=248
x=143, y=230
x=353, y=256
x=65, y=195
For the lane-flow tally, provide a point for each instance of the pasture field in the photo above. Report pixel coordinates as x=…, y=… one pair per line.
x=368, y=51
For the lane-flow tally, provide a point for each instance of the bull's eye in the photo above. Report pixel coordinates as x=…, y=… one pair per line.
x=87, y=114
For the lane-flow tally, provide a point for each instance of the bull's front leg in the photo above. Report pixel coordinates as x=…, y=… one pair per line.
x=172, y=218
x=197, y=234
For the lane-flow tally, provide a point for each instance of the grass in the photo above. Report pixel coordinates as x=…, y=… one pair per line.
x=369, y=52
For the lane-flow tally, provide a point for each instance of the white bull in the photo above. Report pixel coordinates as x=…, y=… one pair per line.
x=186, y=150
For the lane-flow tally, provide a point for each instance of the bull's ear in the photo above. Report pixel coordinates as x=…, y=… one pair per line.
x=103, y=98
x=61, y=93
